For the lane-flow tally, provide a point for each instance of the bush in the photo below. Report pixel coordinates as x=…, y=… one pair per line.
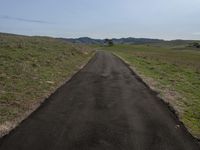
x=108, y=42
x=196, y=45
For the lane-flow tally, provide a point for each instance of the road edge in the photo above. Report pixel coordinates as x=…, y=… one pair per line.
x=18, y=121
x=155, y=93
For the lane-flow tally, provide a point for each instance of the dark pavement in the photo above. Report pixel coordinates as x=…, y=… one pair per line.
x=103, y=107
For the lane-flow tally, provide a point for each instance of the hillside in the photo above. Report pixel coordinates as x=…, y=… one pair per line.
x=30, y=69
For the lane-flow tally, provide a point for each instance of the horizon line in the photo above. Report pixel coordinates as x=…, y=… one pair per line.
x=52, y=36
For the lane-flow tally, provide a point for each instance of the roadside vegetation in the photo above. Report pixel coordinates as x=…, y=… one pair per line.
x=174, y=71
x=30, y=69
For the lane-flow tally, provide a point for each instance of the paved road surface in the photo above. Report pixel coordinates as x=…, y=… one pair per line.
x=103, y=107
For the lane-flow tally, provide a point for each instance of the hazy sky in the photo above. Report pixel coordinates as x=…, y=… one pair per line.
x=167, y=19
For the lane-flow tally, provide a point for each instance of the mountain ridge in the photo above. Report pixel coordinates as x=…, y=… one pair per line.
x=129, y=40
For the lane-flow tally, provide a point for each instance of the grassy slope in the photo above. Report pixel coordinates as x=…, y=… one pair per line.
x=30, y=68
x=175, y=73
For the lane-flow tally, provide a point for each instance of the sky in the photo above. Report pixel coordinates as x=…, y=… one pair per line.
x=162, y=19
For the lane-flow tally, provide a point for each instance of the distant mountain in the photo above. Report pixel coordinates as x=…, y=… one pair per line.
x=87, y=40
x=136, y=40
x=155, y=42
x=83, y=40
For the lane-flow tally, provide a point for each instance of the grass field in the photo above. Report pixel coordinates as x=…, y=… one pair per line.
x=31, y=68
x=174, y=72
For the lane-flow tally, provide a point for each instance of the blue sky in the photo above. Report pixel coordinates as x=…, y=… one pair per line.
x=166, y=19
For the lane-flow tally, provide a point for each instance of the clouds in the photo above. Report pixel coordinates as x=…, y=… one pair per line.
x=168, y=19
x=196, y=33
x=24, y=19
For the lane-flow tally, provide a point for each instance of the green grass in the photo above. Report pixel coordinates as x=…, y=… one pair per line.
x=31, y=68
x=176, y=71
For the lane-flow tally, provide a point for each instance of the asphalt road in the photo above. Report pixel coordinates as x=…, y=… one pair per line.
x=103, y=107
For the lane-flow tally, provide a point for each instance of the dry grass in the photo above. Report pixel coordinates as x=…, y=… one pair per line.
x=174, y=73
x=30, y=69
